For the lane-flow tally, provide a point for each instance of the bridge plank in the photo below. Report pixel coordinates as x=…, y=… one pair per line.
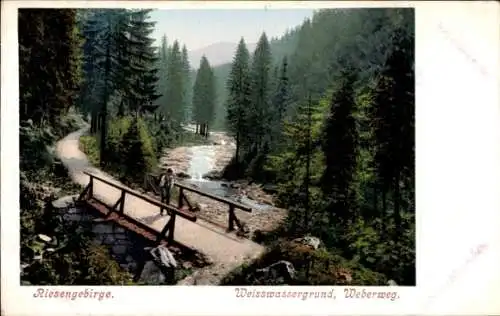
x=214, y=197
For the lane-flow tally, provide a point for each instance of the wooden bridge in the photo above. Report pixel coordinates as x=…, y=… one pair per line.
x=183, y=209
x=136, y=211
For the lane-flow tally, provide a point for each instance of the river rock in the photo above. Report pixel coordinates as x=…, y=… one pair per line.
x=235, y=185
x=212, y=175
x=270, y=188
x=183, y=175
x=65, y=202
x=44, y=238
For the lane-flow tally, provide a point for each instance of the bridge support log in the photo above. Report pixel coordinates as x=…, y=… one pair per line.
x=169, y=227
x=181, y=198
x=233, y=219
x=88, y=191
x=120, y=203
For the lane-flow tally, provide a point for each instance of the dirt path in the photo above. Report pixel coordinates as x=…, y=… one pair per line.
x=226, y=251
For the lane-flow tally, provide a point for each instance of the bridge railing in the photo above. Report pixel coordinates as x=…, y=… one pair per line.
x=232, y=205
x=119, y=206
x=152, y=180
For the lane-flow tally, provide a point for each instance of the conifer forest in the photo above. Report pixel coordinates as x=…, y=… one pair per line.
x=322, y=117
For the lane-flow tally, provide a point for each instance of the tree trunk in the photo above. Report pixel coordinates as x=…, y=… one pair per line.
x=397, y=214
x=383, y=218
x=104, y=105
x=308, y=165
x=237, y=146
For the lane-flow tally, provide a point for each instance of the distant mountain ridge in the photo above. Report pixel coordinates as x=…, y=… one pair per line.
x=217, y=53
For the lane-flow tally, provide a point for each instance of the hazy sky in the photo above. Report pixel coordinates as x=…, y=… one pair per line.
x=200, y=28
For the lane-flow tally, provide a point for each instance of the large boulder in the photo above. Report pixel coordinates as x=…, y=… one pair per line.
x=163, y=256
x=152, y=274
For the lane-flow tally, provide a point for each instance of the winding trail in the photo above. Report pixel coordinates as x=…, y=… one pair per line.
x=225, y=250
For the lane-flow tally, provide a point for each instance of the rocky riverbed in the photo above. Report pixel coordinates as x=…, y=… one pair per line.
x=264, y=216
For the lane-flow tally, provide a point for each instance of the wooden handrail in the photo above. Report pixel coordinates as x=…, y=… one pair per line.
x=215, y=197
x=183, y=214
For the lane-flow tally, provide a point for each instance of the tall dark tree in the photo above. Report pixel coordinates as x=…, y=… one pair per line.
x=239, y=98
x=175, y=90
x=340, y=150
x=394, y=106
x=49, y=48
x=260, y=114
x=162, y=75
x=186, y=84
x=204, y=97
x=280, y=103
x=143, y=71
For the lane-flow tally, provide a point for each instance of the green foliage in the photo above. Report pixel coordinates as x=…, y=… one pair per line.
x=50, y=49
x=137, y=146
x=67, y=259
x=50, y=36
x=335, y=130
x=313, y=267
x=89, y=146
x=133, y=151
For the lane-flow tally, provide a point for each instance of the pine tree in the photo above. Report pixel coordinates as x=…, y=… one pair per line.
x=143, y=71
x=175, y=91
x=186, y=84
x=299, y=163
x=49, y=48
x=162, y=65
x=239, y=97
x=280, y=103
x=204, y=97
x=260, y=114
x=340, y=148
x=394, y=106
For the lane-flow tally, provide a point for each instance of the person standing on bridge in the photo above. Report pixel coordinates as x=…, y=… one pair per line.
x=166, y=186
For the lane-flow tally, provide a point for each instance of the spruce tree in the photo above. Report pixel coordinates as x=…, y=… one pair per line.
x=239, y=97
x=280, y=104
x=340, y=147
x=162, y=65
x=204, y=97
x=394, y=107
x=49, y=48
x=260, y=113
x=143, y=71
x=186, y=84
x=175, y=91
